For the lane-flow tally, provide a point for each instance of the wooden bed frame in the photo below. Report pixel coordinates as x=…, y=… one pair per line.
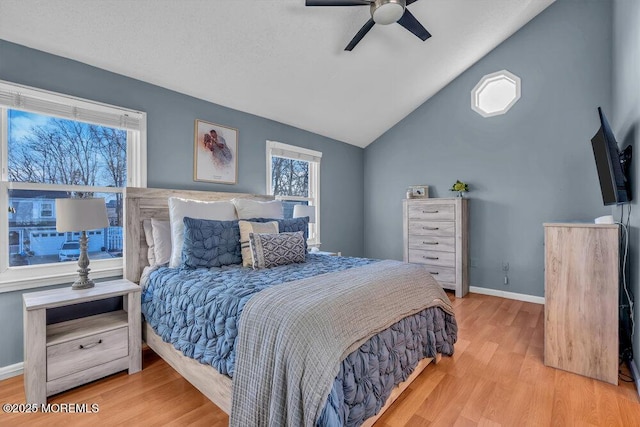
x=151, y=203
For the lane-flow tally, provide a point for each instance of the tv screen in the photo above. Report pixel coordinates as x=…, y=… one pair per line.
x=611, y=166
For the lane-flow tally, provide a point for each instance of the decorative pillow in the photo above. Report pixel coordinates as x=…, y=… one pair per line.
x=161, y=241
x=179, y=208
x=148, y=236
x=210, y=243
x=246, y=228
x=289, y=225
x=255, y=209
x=270, y=250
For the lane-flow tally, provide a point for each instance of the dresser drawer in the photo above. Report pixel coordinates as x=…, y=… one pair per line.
x=431, y=212
x=432, y=228
x=443, y=259
x=83, y=353
x=442, y=274
x=434, y=243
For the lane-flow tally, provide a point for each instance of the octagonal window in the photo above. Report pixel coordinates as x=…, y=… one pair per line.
x=495, y=93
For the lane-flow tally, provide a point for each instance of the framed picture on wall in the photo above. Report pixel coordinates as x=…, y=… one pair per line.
x=215, y=156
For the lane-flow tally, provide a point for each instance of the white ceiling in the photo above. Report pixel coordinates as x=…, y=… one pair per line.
x=275, y=58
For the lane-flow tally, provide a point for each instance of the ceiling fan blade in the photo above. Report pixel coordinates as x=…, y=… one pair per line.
x=338, y=2
x=411, y=23
x=363, y=32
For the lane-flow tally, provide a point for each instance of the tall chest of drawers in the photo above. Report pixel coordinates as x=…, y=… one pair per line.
x=436, y=235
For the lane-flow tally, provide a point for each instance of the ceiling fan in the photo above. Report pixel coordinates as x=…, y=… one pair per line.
x=383, y=12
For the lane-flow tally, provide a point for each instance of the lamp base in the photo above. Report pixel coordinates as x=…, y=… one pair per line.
x=83, y=283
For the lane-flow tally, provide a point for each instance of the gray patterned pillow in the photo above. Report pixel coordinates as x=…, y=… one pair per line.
x=270, y=250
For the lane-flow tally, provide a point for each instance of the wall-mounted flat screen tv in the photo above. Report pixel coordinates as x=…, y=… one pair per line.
x=612, y=165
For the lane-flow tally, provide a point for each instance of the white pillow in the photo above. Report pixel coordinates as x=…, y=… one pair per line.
x=161, y=231
x=148, y=235
x=179, y=208
x=254, y=209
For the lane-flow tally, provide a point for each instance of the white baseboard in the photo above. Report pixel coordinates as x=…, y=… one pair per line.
x=505, y=294
x=11, y=370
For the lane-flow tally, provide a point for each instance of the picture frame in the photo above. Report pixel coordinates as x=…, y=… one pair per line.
x=418, y=192
x=215, y=153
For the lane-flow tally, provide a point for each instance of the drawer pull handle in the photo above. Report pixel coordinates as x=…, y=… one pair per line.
x=430, y=211
x=430, y=257
x=433, y=272
x=85, y=347
x=431, y=228
x=429, y=243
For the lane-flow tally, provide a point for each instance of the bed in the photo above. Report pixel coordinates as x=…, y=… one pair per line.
x=145, y=204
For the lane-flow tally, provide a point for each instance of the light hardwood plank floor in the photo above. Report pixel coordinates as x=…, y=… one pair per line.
x=496, y=378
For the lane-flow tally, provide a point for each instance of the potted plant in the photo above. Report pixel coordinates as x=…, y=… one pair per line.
x=460, y=187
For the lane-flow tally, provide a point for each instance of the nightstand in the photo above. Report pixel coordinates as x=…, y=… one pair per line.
x=64, y=355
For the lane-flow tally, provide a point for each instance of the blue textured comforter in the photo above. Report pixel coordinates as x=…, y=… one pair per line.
x=198, y=311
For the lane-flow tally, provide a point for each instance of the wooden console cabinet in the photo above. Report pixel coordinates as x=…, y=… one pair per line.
x=581, y=299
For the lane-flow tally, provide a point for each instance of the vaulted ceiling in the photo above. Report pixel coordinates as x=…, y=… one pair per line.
x=275, y=58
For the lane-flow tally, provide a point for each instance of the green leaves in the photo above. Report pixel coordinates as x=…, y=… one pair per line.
x=459, y=186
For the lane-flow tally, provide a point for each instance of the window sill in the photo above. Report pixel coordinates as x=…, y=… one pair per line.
x=39, y=281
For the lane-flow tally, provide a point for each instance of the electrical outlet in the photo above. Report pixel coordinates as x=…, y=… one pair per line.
x=505, y=266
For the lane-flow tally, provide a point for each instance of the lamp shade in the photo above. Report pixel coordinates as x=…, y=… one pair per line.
x=80, y=214
x=304, y=210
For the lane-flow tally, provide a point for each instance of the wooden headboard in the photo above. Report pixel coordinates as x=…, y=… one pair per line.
x=151, y=203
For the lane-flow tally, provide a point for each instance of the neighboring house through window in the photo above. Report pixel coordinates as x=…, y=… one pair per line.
x=293, y=176
x=56, y=146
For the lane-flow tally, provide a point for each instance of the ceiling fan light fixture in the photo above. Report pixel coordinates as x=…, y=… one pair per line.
x=386, y=12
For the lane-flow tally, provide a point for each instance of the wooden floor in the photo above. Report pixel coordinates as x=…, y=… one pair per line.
x=496, y=378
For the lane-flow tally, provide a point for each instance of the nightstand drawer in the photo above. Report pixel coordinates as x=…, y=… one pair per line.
x=435, y=243
x=442, y=274
x=432, y=228
x=83, y=353
x=437, y=212
x=443, y=259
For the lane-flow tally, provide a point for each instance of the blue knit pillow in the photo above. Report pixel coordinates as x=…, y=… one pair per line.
x=210, y=243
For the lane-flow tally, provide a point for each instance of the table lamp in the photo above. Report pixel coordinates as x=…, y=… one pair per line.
x=304, y=210
x=81, y=215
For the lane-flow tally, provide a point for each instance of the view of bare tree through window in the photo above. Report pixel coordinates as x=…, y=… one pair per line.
x=47, y=150
x=289, y=177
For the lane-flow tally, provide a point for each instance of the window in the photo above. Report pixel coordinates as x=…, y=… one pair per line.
x=46, y=210
x=293, y=176
x=495, y=93
x=55, y=146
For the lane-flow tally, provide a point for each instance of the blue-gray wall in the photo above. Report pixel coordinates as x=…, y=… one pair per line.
x=530, y=166
x=170, y=126
x=625, y=119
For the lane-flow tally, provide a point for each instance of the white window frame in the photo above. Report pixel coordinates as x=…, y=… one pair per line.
x=279, y=149
x=14, y=96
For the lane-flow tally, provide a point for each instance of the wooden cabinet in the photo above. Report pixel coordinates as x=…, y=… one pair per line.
x=68, y=354
x=436, y=235
x=581, y=299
